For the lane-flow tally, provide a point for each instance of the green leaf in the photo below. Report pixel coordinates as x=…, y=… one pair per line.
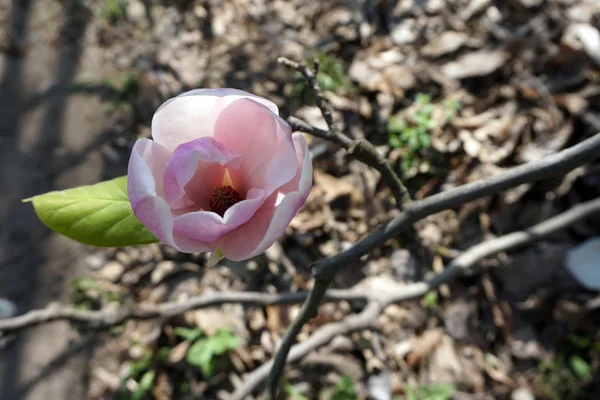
x=224, y=341
x=293, y=392
x=580, y=367
x=190, y=334
x=97, y=215
x=344, y=390
x=145, y=386
x=200, y=354
x=430, y=392
x=141, y=365
x=394, y=141
x=396, y=125
x=430, y=300
x=437, y=392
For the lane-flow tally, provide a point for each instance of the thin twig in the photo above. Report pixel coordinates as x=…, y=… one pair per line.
x=310, y=76
x=355, y=322
x=111, y=317
x=379, y=300
x=300, y=125
x=325, y=270
x=361, y=149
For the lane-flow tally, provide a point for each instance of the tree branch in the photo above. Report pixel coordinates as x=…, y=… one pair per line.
x=365, y=319
x=379, y=300
x=111, y=317
x=555, y=164
x=361, y=149
x=325, y=270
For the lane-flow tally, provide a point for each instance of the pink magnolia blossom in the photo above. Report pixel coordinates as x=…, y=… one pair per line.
x=224, y=174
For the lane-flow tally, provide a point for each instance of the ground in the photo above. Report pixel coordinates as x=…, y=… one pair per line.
x=449, y=92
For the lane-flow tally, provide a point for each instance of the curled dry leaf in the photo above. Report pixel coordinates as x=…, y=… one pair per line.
x=584, y=37
x=424, y=345
x=478, y=63
x=333, y=188
x=474, y=7
x=226, y=317
x=496, y=139
x=547, y=144
x=382, y=72
x=177, y=353
x=445, y=43
x=445, y=365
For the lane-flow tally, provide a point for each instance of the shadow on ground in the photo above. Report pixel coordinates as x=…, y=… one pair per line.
x=41, y=119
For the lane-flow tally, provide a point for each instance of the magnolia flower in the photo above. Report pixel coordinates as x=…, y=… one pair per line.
x=224, y=174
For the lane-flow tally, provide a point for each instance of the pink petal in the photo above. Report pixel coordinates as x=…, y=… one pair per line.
x=202, y=159
x=207, y=227
x=146, y=170
x=263, y=139
x=155, y=214
x=193, y=114
x=274, y=216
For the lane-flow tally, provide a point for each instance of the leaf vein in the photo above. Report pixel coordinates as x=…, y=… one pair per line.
x=68, y=228
x=107, y=232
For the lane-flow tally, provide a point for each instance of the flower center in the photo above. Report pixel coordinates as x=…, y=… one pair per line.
x=223, y=198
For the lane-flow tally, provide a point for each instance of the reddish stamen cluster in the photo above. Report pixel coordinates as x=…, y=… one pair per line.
x=223, y=198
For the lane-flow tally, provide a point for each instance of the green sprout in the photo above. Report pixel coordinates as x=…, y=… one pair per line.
x=114, y=10
x=414, y=135
x=563, y=377
x=430, y=392
x=430, y=300
x=344, y=390
x=205, y=349
x=87, y=294
x=332, y=75
x=142, y=372
x=292, y=392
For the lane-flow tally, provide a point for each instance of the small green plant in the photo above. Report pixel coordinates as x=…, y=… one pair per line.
x=563, y=377
x=145, y=386
x=452, y=108
x=125, y=88
x=114, y=10
x=430, y=300
x=430, y=392
x=205, y=349
x=344, y=390
x=292, y=392
x=332, y=75
x=143, y=373
x=580, y=367
x=87, y=294
x=414, y=135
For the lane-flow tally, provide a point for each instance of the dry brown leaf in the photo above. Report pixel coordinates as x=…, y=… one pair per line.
x=274, y=320
x=228, y=316
x=333, y=188
x=478, y=63
x=445, y=365
x=424, y=345
x=498, y=371
x=547, y=144
x=382, y=72
x=177, y=353
x=163, y=387
x=445, y=43
x=256, y=319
